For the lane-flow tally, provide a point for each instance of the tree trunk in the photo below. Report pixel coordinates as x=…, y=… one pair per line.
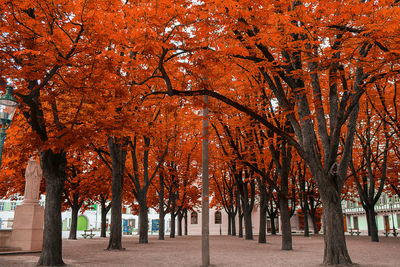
x=186, y=222
x=262, y=235
x=161, y=211
x=180, y=217
x=143, y=223
x=285, y=223
x=229, y=224
x=273, y=227
x=240, y=224
x=104, y=211
x=372, y=224
x=367, y=214
x=74, y=221
x=172, y=233
x=248, y=225
x=306, y=226
x=233, y=223
x=53, y=165
x=314, y=222
x=118, y=158
x=335, y=251
x=161, y=225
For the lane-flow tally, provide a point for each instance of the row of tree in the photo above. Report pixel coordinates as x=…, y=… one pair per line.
x=109, y=88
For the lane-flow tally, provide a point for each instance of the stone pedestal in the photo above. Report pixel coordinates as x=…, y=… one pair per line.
x=27, y=233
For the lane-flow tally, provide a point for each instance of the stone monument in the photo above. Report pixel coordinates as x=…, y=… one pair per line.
x=27, y=233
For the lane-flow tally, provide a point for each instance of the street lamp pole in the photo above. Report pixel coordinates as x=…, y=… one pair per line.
x=8, y=105
x=205, y=230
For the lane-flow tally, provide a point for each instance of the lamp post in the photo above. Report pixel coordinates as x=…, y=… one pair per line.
x=8, y=105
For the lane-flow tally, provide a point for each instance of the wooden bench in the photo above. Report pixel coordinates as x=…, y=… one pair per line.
x=353, y=231
x=388, y=231
x=88, y=233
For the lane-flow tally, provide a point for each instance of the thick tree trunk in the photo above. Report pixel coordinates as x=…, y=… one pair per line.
x=335, y=251
x=118, y=158
x=248, y=225
x=53, y=165
x=186, y=222
x=372, y=224
x=262, y=235
x=172, y=233
x=143, y=223
x=180, y=217
x=285, y=223
x=74, y=221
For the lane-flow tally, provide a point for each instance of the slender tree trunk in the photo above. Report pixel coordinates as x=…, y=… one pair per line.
x=180, y=217
x=335, y=251
x=262, y=235
x=143, y=223
x=229, y=224
x=314, y=222
x=118, y=158
x=53, y=165
x=372, y=224
x=285, y=223
x=104, y=211
x=186, y=222
x=306, y=226
x=233, y=223
x=273, y=227
x=240, y=224
x=161, y=225
x=172, y=233
x=161, y=212
x=74, y=221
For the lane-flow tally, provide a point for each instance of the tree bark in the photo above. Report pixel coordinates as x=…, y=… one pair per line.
x=273, y=227
x=186, y=222
x=262, y=236
x=74, y=221
x=143, y=223
x=229, y=224
x=180, y=217
x=161, y=211
x=285, y=224
x=248, y=225
x=306, y=226
x=335, y=251
x=241, y=225
x=372, y=224
x=53, y=165
x=104, y=210
x=172, y=233
x=118, y=158
x=233, y=224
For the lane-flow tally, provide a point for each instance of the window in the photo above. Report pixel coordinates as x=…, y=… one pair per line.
x=1, y=206
x=218, y=218
x=193, y=218
x=13, y=205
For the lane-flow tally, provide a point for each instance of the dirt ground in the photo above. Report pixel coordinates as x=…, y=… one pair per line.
x=225, y=251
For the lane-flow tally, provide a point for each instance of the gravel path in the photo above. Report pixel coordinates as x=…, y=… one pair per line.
x=225, y=251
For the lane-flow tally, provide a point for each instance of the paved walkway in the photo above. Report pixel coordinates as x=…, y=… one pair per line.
x=225, y=251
